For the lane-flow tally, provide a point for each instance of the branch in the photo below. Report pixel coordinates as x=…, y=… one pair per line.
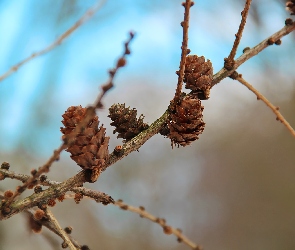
x=30, y=182
x=96, y=195
x=88, y=14
x=266, y=101
x=57, y=189
x=223, y=73
x=229, y=62
x=40, y=198
x=162, y=222
x=36, y=226
x=60, y=188
x=60, y=231
x=184, y=51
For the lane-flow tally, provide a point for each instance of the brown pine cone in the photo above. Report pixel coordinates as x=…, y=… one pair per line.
x=90, y=149
x=198, y=76
x=125, y=121
x=186, y=122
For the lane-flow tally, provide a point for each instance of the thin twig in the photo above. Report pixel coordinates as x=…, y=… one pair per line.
x=162, y=222
x=57, y=189
x=61, y=232
x=96, y=195
x=37, y=198
x=101, y=197
x=37, y=174
x=223, y=73
x=275, y=109
x=52, y=227
x=88, y=14
x=184, y=51
x=229, y=62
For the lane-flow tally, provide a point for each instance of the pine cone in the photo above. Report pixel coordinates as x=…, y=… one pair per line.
x=90, y=149
x=125, y=121
x=186, y=122
x=198, y=76
x=290, y=5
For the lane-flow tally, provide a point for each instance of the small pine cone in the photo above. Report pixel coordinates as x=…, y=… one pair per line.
x=186, y=122
x=198, y=76
x=90, y=149
x=290, y=6
x=125, y=121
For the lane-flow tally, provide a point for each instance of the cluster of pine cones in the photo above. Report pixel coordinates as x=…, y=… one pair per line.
x=186, y=117
x=90, y=149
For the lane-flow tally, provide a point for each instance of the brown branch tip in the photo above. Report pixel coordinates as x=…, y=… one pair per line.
x=229, y=61
x=167, y=229
x=184, y=50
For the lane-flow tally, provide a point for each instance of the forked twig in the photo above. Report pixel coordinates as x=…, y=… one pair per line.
x=96, y=195
x=44, y=222
x=36, y=174
x=223, y=73
x=162, y=222
x=184, y=51
x=60, y=231
x=229, y=62
x=88, y=14
x=35, y=199
x=275, y=109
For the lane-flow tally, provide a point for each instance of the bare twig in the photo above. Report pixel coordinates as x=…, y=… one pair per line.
x=184, y=51
x=223, y=73
x=88, y=14
x=57, y=189
x=96, y=195
x=162, y=222
x=49, y=225
x=60, y=231
x=32, y=180
x=229, y=62
x=266, y=101
x=40, y=198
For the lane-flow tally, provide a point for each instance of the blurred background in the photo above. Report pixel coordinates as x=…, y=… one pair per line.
x=234, y=188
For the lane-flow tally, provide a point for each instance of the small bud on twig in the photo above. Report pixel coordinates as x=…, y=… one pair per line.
x=5, y=165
